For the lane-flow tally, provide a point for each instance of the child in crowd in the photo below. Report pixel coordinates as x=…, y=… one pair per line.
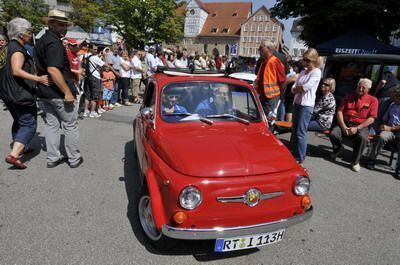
x=108, y=86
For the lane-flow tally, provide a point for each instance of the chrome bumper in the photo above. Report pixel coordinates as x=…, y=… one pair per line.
x=227, y=232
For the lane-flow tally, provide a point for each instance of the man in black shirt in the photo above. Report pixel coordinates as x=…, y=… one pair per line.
x=59, y=100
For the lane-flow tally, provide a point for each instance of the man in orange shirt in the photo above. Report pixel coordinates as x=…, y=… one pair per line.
x=270, y=78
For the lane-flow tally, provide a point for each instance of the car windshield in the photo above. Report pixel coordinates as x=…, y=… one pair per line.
x=208, y=101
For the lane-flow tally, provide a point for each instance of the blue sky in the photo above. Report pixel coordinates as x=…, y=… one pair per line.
x=268, y=3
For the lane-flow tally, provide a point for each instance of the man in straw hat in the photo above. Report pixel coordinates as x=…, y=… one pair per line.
x=59, y=99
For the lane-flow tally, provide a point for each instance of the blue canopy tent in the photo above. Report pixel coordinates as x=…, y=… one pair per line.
x=355, y=42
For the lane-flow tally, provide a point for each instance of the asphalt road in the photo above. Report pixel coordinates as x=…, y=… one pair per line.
x=79, y=216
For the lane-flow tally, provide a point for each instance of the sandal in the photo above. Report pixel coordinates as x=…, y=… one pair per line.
x=137, y=100
x=15, y=161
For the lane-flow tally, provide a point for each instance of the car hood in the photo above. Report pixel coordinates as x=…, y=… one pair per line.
x=227, y=152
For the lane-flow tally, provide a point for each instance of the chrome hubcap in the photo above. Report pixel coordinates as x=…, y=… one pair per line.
x=146, y=219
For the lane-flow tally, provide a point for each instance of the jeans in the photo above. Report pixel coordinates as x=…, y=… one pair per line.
x=281, y=110
x=115, y=96
x=298, y=139
x=314, y=126
x=381, y=140
x=124, y=84
x=25, y=122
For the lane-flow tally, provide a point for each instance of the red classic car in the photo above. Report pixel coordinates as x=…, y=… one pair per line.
x=210, y=167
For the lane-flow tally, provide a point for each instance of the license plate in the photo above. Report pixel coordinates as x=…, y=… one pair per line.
x=252, y=241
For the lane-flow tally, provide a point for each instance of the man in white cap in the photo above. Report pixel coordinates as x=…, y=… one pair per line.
x=59, y=99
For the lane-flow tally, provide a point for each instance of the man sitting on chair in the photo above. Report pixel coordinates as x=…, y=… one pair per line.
x=389, y=130
x=355, y=113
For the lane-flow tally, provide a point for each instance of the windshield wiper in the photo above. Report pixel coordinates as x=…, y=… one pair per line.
x=187, y=114
x=229, y=116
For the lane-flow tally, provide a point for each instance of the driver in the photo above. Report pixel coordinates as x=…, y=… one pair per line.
x=218, y=104
x=169, y=102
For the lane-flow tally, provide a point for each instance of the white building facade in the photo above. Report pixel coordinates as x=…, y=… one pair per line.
x=297, y=45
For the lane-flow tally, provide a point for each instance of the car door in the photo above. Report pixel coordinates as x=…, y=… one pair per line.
x=145, y=124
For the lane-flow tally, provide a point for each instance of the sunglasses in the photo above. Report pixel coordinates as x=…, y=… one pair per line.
x=171, y=97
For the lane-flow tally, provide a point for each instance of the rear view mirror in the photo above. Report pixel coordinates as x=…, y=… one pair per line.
x=147, y=113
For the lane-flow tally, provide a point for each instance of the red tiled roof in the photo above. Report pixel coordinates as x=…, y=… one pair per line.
x=221, y=15
x=201, y=5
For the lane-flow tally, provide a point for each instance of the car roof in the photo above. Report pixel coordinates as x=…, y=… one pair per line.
x=165, y=78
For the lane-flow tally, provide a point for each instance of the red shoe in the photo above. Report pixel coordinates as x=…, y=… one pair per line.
x=15, y=161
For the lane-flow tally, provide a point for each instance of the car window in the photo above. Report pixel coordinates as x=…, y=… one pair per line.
x=150, y=96
x=212, y=100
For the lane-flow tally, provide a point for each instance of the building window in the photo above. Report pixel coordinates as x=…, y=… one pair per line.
x=253, y=27
x=274, y=28
x=267, y=27
x=266, y=18
x=260, y=18
x=214, y=29
x=192, y=12
x=295, y=52
x=250, y=51
x=260, y=27
x=273, y=39
x=302, y=52
x=246, y=27
x=244, y=39
x=244, y=51
x=259, y=39
x=255, y=18
x=225, y=30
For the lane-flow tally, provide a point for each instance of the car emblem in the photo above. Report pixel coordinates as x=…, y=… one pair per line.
x=252, y=197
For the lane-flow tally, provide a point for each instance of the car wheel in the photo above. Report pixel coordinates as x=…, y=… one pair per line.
x=145, y=215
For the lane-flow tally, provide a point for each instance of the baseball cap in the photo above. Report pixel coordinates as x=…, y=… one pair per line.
x=72, y=41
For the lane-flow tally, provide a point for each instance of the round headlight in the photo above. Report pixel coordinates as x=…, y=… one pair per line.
x=302, y=185
x=190, y=198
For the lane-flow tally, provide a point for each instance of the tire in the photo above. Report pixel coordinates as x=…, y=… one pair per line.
x=146, y=223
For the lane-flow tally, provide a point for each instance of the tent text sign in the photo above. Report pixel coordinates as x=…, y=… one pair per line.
x=355, y=51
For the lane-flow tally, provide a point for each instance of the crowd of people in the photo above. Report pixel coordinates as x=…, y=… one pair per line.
x=75, y=79
x=294, y=88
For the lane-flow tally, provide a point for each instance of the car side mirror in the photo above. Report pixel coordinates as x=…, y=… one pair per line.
x=147, y=113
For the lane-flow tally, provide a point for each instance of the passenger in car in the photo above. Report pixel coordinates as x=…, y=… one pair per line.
x=169, y=103
x=218, y=104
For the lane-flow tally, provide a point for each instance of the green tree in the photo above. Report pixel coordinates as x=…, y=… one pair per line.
x=323, y=20
x=87, y=13
x=144, y=21
x=31, y=10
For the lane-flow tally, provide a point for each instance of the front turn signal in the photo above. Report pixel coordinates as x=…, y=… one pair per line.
x=179, y=218
x=306, y=202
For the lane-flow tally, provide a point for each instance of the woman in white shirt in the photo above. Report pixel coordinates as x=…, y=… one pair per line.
x=304, y=91
x=125, y=79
